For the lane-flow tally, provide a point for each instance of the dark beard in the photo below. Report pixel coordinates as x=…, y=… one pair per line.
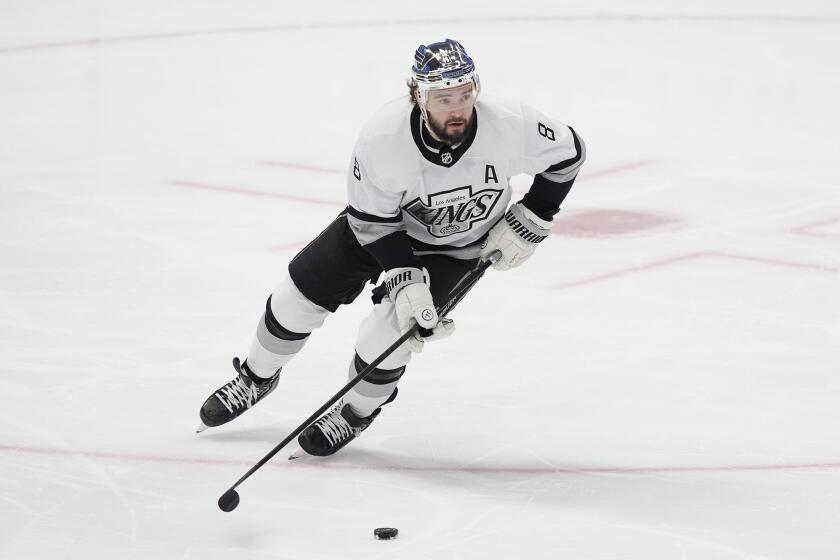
x=451, y=139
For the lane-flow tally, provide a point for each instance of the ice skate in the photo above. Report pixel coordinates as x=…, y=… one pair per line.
x=235, y=397
x=332, y=431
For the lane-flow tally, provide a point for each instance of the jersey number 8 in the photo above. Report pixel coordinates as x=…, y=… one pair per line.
x=545, y=131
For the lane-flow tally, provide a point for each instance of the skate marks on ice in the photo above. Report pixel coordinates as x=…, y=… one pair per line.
x=255, y=192
x=758, y=18
x=828, y=228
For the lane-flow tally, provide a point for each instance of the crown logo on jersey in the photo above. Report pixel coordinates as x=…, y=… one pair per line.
x=455, y=211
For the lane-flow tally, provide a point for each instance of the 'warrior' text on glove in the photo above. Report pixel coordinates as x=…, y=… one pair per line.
x=516, y=236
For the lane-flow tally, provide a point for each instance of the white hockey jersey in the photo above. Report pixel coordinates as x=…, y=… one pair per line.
x=446, y=198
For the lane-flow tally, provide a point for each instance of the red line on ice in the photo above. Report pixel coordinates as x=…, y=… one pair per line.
x=584, y=176
x=301, y=167
x=693, y=256
x=332, y=464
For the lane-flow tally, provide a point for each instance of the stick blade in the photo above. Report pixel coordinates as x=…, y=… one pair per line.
x=298, y=453
x=229, y=500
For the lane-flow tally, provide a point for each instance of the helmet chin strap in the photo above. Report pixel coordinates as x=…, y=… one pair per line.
x=426, y=123
x=421, y=102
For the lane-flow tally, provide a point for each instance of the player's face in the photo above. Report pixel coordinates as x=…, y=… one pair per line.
x=450, y=112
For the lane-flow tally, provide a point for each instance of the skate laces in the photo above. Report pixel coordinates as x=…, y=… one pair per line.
x=335, y=427
x=238, y=393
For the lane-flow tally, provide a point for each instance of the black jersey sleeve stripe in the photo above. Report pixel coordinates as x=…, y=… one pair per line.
x=365, y=217
x=571, y=161
x=545, y=196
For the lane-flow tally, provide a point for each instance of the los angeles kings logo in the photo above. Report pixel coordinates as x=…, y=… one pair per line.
x=450, y=212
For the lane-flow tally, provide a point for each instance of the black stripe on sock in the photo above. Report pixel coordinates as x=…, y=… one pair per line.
x=278, y=330
x=378, y=376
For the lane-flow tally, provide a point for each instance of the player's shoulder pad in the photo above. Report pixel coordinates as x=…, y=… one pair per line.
x=499, y=113
x=538, y=140
x=500, y=121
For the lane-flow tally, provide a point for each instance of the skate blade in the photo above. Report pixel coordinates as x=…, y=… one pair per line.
x=201, y=427
x=298, y=453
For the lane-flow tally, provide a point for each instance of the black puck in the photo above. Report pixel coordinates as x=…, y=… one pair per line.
x=385, y=533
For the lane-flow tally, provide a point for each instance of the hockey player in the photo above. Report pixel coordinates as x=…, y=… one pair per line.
x=428, y=195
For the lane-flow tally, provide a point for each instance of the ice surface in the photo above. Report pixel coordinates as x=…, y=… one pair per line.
x=659, y=381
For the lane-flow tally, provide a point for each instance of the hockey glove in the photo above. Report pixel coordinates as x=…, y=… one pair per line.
x=408, y=289
x=516, y=236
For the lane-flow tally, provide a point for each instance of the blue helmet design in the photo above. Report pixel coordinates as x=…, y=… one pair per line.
x=441, y=65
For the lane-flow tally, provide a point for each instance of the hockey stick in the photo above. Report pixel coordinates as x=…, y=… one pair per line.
x=230, y=499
